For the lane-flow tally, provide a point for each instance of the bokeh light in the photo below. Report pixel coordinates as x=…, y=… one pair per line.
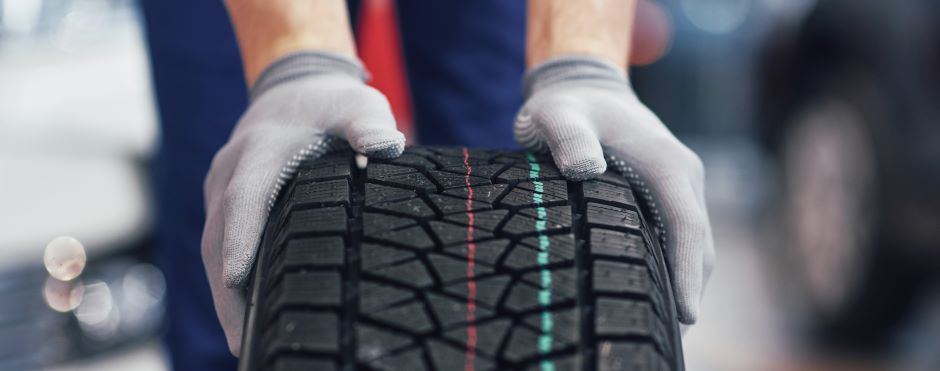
x=64, y=258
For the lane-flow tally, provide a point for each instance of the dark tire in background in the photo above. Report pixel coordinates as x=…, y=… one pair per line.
x=448, y=259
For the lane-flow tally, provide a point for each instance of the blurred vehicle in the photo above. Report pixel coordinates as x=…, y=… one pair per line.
x=850, y=109
x=76, y=126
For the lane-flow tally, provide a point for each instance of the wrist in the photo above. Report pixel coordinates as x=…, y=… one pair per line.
x=304, y=64
x=573, y=68
x=597, y=28
x=268, y=30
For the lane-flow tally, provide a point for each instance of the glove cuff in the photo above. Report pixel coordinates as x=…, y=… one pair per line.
x=303, y=64
x=571, y=68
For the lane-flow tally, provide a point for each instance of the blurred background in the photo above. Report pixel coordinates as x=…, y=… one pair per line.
x=818, y=123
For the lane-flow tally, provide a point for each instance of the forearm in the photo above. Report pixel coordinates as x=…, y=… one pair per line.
x=598, y=28
x=269, y=29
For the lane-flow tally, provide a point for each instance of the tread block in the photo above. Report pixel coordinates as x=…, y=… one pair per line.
x=382, y=171
x=553, y=191
x=486, y=253
x=377, y=193
x=456, y=159
x=524, y=344
x=323, y=193
x=483, y=220
x=446, y=357
x=622, y=317
x=490, y=335
x=450, y=269
x=569, y=362
x=450, y=205
x=310, y=252
x=413, y=180
x=451, y=312
x=374, y=342
x=322, y=220
x=624, y=356
x=297, y=363
x=373, y=223
x=374, y=296
x=307, y=288
x=411, y=316
x=374, y=256
x=620, y=277
x=617, y=244
x=449, y=180
x=525, y=296
x=413, y=159
x=327, y=166
x=564, y=283
x=407, y=360
x=526, y=257
x=414, y=207
x=611, y=216
x=297, y=331
x=449, y=233
x=558, y=218
x=566, y=324
x=489, y=290
x=609, y=194
x=411, y=273
x=486, y=193
x=519, y=197
x=615, y=178
x=485, y=171
x=522, y=173
x=414, y=237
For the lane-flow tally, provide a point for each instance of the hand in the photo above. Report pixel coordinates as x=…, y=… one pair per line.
x=581, y=107
x=299, y=103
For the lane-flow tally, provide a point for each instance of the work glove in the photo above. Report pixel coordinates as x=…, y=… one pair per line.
x=302, y=106
x=581, y=108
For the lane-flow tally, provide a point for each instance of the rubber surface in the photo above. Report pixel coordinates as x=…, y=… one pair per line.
x=449, y=259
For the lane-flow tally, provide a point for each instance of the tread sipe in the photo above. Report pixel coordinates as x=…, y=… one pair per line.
x=449, y=259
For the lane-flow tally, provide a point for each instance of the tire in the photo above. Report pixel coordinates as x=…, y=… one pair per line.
x=370, y=269
x=851, y=284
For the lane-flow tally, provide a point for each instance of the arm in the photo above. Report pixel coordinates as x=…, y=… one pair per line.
x=598, y=28
x=270, y=29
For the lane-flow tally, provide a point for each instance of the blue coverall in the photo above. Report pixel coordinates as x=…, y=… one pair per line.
x=465, y=61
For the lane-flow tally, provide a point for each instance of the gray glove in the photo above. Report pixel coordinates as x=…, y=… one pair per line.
x=580, y=107
x=299, y=104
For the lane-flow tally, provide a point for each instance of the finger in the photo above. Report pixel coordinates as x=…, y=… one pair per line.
x=371, y=128
x=250, y=193
x=687, y=240
x=570, y=137
x=229, y=303
x=676, y=186
x=220, y=172
x=708, y=255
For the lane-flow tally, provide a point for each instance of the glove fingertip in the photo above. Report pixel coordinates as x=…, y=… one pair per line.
x=584, y=169
x=235, y=274
x=380, y=144
x=687, y=308
x=389, y=148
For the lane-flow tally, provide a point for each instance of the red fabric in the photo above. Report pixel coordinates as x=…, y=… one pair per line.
x=379, y=47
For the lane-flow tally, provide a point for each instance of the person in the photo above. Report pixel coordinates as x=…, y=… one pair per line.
x=305, y=87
